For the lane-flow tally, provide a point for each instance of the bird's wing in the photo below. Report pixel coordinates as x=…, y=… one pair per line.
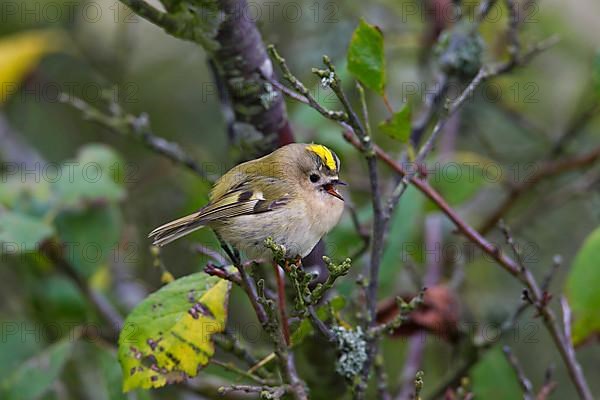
x=263, y=195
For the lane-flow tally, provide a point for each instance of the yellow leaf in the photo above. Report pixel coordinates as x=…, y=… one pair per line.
x=168, y=337
x=19, y=54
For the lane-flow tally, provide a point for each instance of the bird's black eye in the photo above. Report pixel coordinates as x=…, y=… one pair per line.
x=314, y=178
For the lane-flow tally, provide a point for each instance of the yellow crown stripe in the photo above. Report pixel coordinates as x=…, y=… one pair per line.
x=324, y=153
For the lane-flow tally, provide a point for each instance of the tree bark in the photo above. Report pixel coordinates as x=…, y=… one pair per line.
x=260, y=124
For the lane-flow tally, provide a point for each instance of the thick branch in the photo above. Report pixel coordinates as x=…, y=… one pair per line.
x=240, y=58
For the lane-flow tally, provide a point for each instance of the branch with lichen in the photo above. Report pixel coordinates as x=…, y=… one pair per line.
x=235, y=46
x=335, y=271
x=267, y=315
x=286, y=359
x=305, y=298
x=357, y=135
x=418, y=385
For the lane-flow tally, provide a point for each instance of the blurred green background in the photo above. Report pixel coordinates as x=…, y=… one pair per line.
x=102, y=47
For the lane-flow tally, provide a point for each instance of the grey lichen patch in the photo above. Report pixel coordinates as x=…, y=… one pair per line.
x=240, y=86
x=269, y=96
x=460, y=50
x=352, y=346
x=198, y=21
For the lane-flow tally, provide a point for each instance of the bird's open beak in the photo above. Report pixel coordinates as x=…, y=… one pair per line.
x=330, y=188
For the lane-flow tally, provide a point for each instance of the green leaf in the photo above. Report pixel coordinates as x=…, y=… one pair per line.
x=19, y=191
x=399, y=125
x=110, y=374
x=34, y=377
x=366, y=61
x=109, y=161
x=494, y=379
x=22, y=231
x=168, y=336
x=305, y=328
x=582, y=289
x=94, y=176
x=87, y=183
x=13, y=349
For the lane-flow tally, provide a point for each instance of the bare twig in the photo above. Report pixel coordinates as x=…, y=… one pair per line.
x=362, y=131
x=432, y=98
x=136, y=127
x=556, y=263
x=247, y=283
x=360, y=230
x=223, y=273
x=575, y=126
x=232, y=368
x=524, y=382
x=209, y=252
x=503, y=260
x=476, y=351
x=568, y=342
x=379, y=222
x=270, y=392
x=283, y=319
x=416, y=344
x=548, y=386
x=484, y=73
x=318, y=324
x=105, y=309
x=381, y=376
x=268, y=320
x=544, y=171
x=412, y=363
x=230, y=343
x=359, y=137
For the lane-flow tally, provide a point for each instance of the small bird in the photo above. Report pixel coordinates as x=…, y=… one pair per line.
x=289, y=195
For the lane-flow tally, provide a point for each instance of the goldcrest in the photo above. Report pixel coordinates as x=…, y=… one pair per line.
x=289, y=195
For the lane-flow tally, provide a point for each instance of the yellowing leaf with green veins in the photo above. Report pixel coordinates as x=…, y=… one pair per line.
x=168, y=337
x=582, y=289
x=19, y=54
x=399, y=125
x=365, y=55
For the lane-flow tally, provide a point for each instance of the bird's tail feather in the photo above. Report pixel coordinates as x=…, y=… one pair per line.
x=173, y=230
